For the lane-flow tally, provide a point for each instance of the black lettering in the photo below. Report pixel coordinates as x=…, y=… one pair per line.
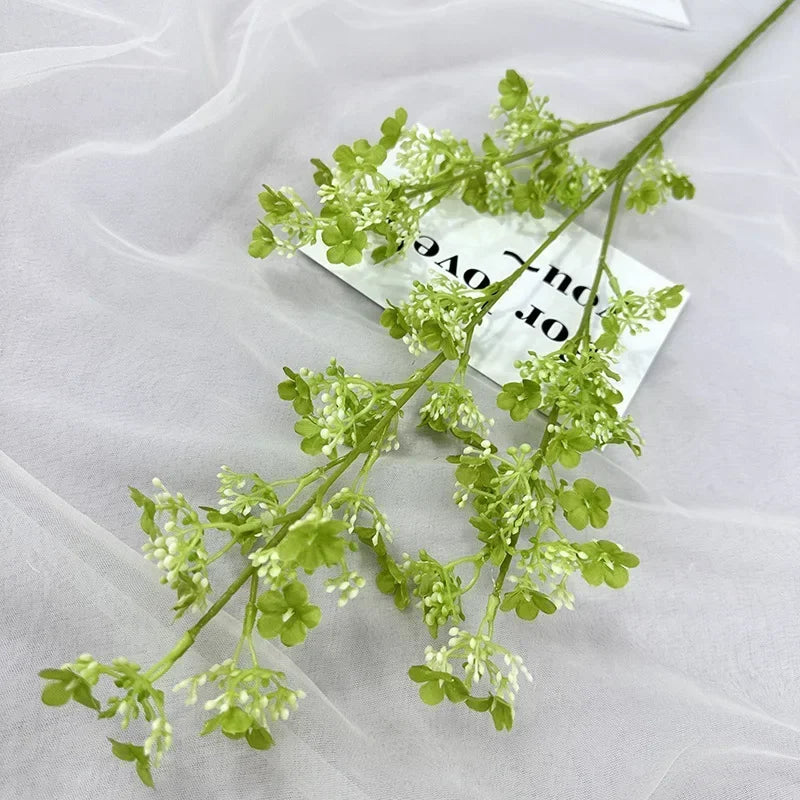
x=577, y=293
x=426, y=250
x=450, y=264
x=532, y=316
x=555, y=272
x=519, y=260
x=560, y=335
x=483, y=280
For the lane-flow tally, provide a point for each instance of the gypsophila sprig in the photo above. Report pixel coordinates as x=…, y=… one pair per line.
x=451, y=406
x=75, y=681
x=656, y=181
x=476, y=655
x=249, y=699
x=436, y=316
x=338, y=409
x=529, y=508
x=178, y=547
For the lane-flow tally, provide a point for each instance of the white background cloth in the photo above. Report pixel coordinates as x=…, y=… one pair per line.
x=137, y=338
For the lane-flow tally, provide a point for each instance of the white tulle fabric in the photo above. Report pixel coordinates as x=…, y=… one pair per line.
x=137, y=338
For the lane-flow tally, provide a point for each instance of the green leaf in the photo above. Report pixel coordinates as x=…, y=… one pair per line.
x=420, y=673
x=592, y=573
x=489, y=147
x=143, y=771
x=272, y=603
x=598, y=517
x=627, y=560
x=543, y=603
x=147, y=520
x=55, y=694
x=287, y=390
x=570, y=500
x=269, y=625
x=519, y=412
x=260, y=247
x=310, y=615
x=479, y=703
x=57, y=674
x=431, y=693
x=578, y=517
x=617, y=577
x=125, y=750
x=506, y=401
x=211, y=725
x=510, y=600
x=323, y=174
x=456, y=691
x=385, y=582
x=582, y=443
x=83, y=694
x=527, y=610
x=235, y=720
x=513, y=91
x=392, y=127
x=295, y=594
x=293, y=632
x=466, y=475
x=313, y=544
x=602, y=499
x=502, y=714
x=569, y=459
x=259, y=738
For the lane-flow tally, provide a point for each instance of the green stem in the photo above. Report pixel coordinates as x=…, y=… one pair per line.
x=580, y=130
x=473, y=558
x=250, y=610
x=224, y=549
x=478, y=567
x=583, y=333
x=187, y=640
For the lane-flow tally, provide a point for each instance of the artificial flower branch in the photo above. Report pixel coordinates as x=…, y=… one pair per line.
x=522, y=491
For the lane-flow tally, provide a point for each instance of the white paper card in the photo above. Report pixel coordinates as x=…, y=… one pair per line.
x=660, y=12
x=541, y=310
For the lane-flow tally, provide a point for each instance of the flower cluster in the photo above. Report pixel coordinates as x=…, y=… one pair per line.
x=425, y=154
x=354, y=505
x=359, y=204
x=284, y=211
x=656, y=180
x=580, y=385
x=178, y=547
x=339, y=409
x=507, y=493
x=249, y=699
x=273, y=571
x=242, y=493
x=542, y=583
x=555, y=175
x=451, y=405
x=628, y=314
x=477, y=652
x=74, y=681
x=438, y=588
x=348, y=584
x=435, y=316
